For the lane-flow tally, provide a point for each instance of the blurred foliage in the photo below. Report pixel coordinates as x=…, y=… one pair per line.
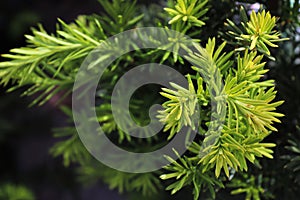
x=13, y=192
x=293, y=158
x=252, y=186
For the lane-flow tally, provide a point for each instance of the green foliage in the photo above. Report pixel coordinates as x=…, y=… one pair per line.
x=293, y=159
x=181, y=107
x=189, y=172
x=233, y=78
x=258, y=33
x=71, y=148
x=120, y=16
x=147, y=184
x=285, y=181
x=13, y=192
x=251, y=112
x=251, y=186
x=187, y=13
x=47, y=63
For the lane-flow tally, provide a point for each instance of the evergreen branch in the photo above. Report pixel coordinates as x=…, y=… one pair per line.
x=49, y=63
x=257, y=33
x=120, y=16
x=186, y=172
x=180, y=108
x=187, y=13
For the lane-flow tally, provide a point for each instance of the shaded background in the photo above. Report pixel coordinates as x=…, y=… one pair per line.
x=25, y=133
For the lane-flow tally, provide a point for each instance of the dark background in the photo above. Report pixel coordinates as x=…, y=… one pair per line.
x=26, y=133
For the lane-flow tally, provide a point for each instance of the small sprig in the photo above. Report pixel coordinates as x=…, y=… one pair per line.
x=250, y=67
x=188, y=13
x=223, y=155
x=186, y=172
x=49, y=63
x=254, y=187
x=258, y=32
x=257, y=110
x=180, y=109
x=231, y=151
x=120, y=15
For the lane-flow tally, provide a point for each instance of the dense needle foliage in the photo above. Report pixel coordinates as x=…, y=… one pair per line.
x=238, y=45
